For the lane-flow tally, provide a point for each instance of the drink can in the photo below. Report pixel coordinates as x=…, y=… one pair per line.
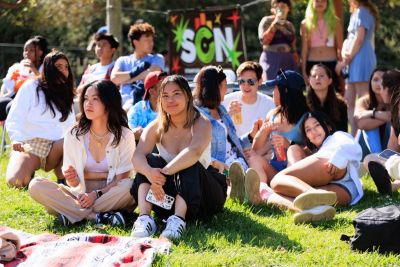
x=280, y=153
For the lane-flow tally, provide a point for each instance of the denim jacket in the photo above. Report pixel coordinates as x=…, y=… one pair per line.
x=218, y=142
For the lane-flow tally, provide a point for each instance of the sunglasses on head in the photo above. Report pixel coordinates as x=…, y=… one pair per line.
x=250, y=82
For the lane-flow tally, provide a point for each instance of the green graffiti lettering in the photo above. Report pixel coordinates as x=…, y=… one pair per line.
x=204, y=42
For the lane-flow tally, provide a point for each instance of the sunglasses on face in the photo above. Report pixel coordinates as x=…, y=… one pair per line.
x=250, y=82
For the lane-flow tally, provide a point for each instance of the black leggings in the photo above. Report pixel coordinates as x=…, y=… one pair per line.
x=204, y=190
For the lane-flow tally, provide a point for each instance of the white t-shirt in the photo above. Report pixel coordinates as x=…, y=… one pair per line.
x=96, y=72
x=30, y=117
x=250, y=113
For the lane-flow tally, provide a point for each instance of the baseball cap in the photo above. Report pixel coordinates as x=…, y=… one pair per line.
x=287, y=78
x=152, y=79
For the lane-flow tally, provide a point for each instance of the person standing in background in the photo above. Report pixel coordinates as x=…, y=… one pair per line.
x=278, y=38
x=130, y=71
x=358, y=52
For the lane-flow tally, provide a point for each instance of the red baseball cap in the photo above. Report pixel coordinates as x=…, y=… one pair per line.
x=152, y=79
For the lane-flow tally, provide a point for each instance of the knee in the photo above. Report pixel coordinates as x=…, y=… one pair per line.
x=35, y=187
x=15, y=181
x=276, y=184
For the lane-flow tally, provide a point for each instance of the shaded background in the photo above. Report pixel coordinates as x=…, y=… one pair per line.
x=69, y=24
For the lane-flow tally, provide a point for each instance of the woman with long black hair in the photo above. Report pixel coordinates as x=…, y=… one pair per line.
x=40, y=115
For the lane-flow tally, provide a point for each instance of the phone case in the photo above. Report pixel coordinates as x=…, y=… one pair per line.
x=166, y=204
x=387, y=153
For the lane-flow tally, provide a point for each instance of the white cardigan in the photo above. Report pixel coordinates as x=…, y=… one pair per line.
x=343, y=151
x=29, y=117
x=119, y=158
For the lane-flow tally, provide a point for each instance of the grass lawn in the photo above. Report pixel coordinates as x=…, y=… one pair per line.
x=242, y=235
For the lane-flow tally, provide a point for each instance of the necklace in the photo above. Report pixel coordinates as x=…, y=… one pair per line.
x=98, y=138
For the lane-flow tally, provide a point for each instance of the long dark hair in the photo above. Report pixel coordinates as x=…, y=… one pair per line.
x=373, y=102
x=333, y=101
x=41, y=43
x=391, y=80
x=111, y=98
x=324, y=121
x=293, y=103
x=206, y=92
x=58, y=90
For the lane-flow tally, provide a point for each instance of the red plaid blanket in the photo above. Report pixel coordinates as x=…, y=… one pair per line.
x=85, y=249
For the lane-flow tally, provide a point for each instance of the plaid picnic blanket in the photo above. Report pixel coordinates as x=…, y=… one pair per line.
x=85, y=249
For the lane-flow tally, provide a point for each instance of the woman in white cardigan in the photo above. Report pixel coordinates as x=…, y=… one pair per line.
x=328, y=176
x=97, y=163
x=40, y=115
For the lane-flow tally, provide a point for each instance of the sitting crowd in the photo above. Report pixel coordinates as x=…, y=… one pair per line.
x=143, y=138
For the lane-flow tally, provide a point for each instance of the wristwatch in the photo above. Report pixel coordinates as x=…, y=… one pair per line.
x=99, y=193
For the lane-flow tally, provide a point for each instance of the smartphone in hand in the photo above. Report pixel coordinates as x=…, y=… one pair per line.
x=165, y=204
x=387, y=153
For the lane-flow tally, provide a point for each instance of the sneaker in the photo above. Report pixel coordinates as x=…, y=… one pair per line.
x=175, y=228
x=317, y=213
x=144, y=226
x=381, y=178
x=63, y=220
x=252, y=186
x=113, y=218
x=314, y=197
x=236, y=175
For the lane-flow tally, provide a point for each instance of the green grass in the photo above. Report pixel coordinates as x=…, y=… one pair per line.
x=242, y=235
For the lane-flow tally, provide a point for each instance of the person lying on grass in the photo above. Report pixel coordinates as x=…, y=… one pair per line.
x=328, y=175
x=97, y=162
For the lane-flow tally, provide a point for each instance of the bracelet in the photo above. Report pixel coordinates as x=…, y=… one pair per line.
x=373, y=113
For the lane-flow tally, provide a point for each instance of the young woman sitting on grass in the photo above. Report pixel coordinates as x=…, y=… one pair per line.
x=97, y=162
x=227, y=149
x=372, y=116
x=312, y=185
x=322, y=96
x=40, y=115
x=182, y=167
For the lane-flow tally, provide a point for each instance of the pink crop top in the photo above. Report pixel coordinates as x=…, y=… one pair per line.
x=91, y=164
x=319, y=36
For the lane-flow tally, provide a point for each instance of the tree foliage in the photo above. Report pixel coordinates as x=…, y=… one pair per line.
x=70, y=23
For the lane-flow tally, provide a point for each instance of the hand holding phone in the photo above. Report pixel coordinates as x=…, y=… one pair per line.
x=165, y=204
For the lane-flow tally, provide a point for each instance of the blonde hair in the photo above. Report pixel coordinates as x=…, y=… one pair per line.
x=163, y=118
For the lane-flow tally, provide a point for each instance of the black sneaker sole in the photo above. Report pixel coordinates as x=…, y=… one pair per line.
x=381, y=178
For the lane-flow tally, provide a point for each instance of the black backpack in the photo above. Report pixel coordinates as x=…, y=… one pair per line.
x=376, y=228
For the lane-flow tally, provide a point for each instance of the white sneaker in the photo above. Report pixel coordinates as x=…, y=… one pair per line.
x=175, y=228
x=144, y=226
x=313, y=198
x=236, y=175
x=317, y=213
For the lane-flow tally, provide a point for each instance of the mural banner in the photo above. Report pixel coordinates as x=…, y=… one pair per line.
x=205, y=37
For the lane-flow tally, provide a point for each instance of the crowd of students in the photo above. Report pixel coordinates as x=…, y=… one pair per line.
x=142, y=136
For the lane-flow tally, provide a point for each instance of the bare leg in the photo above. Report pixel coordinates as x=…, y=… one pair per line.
x=372, y=157
x=281, y=202
x=265, y=171
x=343, y=197
x=180, y=207
x=144, y=206
x=302, y=176
x=54, y=159
x=350, y=96
x=295, y=153
x=20, y=168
